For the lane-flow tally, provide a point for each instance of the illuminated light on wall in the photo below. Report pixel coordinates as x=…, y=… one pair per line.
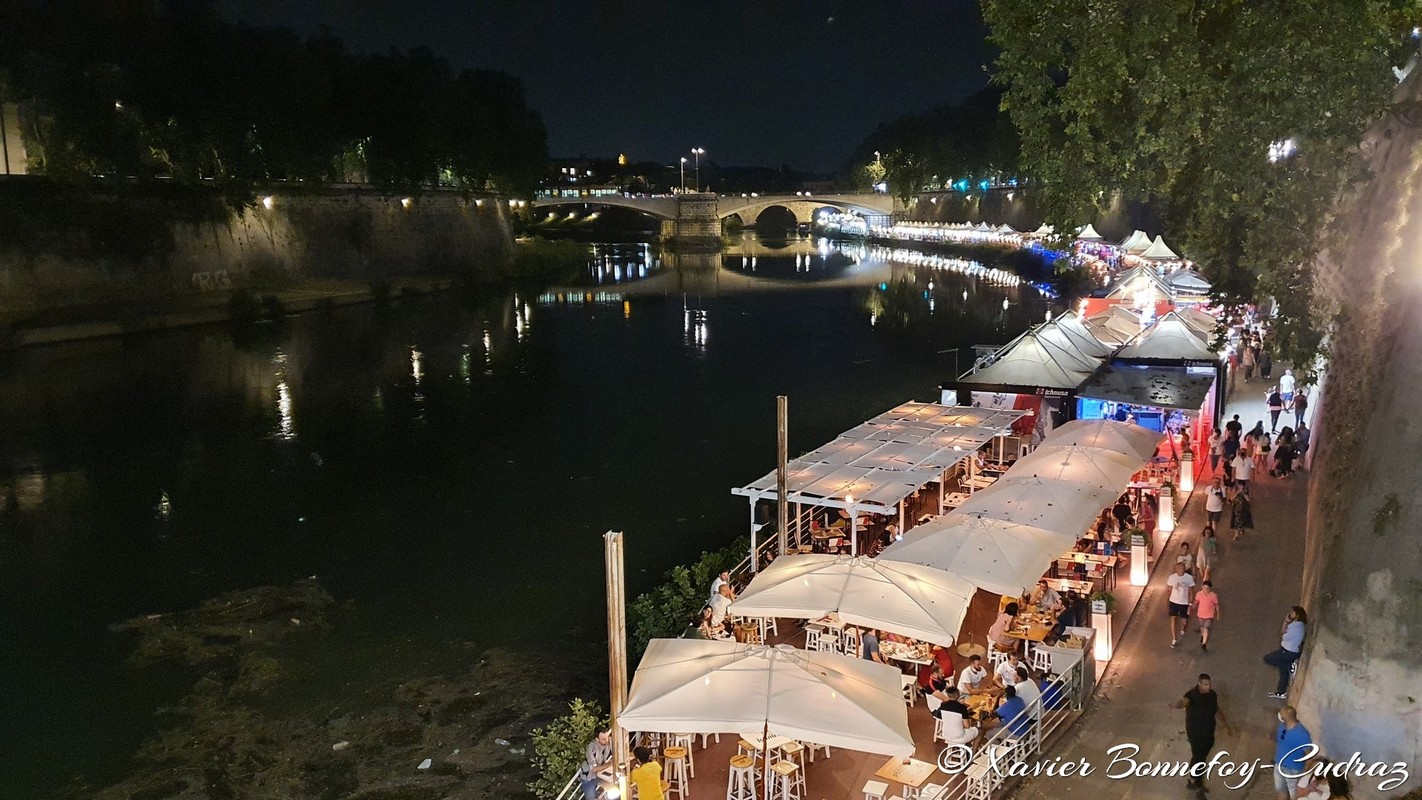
x=268, y=202
x=406, y=202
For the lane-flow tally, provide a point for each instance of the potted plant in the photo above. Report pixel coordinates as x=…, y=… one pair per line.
x=1102, y=602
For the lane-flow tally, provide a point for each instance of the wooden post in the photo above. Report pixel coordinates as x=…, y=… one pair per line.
x=616, y=650
x=782, y=474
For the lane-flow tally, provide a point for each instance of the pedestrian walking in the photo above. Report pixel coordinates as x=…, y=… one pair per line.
x=1291, y=747
x=1229, y=449
x=1286, y=385
x=1202, y=710
x=1243, y=470
x=1261, y=452
x=1216, y=450
x=1290, y=648
x=1207, y=610
x=1266, y=363
x=1300, y=407
x=1301, y=439
x=1187, y=557
x=1241, y=513
x=1179, y=583
x=1208, y=557
x=1248, y=359
x=1275, y=401
x=1284, y=458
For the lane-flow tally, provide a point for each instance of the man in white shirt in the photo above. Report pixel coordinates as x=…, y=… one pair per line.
x=973, y=679
x=1215, y=501
x=1026, y=689
x=719, y=605
x=1286, y=386
x=1180, y=584
x=721, y=580
x=1243, y=470
x=1005, y=674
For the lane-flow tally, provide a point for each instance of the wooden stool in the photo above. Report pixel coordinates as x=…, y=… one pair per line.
x=684, y=740
x=812, y=637
x=787, y=781
x=910, y=687
x=875, y=790
x=675, y=758
x=1041, y=659
x=813, y=748
x=706, y=737
x=740, y=781
x=795, y=754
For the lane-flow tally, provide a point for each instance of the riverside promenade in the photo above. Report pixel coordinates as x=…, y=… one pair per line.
x=1257, y=578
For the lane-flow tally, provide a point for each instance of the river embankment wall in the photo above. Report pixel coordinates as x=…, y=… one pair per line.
x=64, y=246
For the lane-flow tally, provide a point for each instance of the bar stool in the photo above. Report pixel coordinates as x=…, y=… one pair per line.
x=1041, y=659
x=995, y=657
x=675, y=758
x=812, y=637
x=767, y=626
x=851, y=640
x=813, y=748
x=910, y=686
x=740, y=781
x=684, y=740
x=829, y=643
x=706, y=737
x=875, y=790
x=786, y=781
x=795, y=754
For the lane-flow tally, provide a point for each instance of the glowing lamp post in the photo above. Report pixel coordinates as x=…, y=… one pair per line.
x=1187, y=473
x=683, y=174
x=1165, y=516
x=698, y=152
x=1140, y=557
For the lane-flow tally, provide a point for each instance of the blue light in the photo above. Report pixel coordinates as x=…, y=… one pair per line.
x=984, y=185
x=883, y=287
x=961, y=186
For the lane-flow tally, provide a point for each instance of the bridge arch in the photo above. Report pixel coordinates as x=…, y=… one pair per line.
x=657, y=207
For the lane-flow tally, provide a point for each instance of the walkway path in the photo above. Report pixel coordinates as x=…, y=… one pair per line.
x=1258, y=579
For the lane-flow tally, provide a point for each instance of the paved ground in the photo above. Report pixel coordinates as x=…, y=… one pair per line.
x=1258, y=579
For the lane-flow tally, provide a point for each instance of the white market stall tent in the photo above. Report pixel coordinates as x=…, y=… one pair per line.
x=1159, y=252
x=1115, y=324
x=874, y=466
x=1047, y=503
x=1053, y=334
x=1170, y=338
x=1031, y=362
x=1089, y=234
x=910, y=599
x=1136, y=243
x=700, y=686
x=1085, y=341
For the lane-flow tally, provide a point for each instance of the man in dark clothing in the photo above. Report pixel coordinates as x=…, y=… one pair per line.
x=1236, y=426
x=1122, y=513
x=1202, y=708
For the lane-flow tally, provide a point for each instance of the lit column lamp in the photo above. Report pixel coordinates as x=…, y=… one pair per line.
x=1165, y=515
x=1187, y=473
x=683, y=174
x=698, y=152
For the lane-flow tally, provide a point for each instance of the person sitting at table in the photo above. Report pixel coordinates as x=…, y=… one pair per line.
x=869, y=646
x=646, y=777
x=997, y=634
x=1005, y=674
x=724, y=579
x=700, y=627
x=942, y=664
x=974, y=678
x=1013, y=713
x=1027, y=689
x=720, y=605
x=935, y=691
x=1047, y=598
x=1122, y=512
x=1068, y=615
x=958, y=721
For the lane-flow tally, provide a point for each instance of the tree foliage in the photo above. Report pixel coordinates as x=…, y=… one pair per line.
x=1178, y=103
x=560, y=746
x=135, y=89
x=971, y=140
x=665, y=611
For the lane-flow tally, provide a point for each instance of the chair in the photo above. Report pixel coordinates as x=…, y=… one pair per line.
x=787, y=781
x=955, y=757
x=676, y=771
x=979, y=778
x=910, y=686
x=812, y=636
x=740, y=781
x=683, y=740
x=875, y=790
x=768, y=625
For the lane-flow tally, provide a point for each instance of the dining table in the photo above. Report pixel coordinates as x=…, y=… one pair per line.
x=908, y=771
x=920, y=654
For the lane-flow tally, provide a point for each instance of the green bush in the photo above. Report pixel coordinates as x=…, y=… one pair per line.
x=539, y=258
x=559, y=746
x=665, y=611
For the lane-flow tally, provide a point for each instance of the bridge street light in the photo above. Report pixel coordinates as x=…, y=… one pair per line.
x=683, y=174
x=698, y=152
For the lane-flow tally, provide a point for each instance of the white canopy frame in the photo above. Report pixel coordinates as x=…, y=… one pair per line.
x=875, y=466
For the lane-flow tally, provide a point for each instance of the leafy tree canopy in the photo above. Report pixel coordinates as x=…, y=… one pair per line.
x=1178, y=104
x=134, y=89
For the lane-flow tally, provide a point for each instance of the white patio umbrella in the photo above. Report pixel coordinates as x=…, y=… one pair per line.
x=993, y=554
x=909, y=599
x=1064, y=507
x=699, y=686
x=1108, y=434
x=1085, y=465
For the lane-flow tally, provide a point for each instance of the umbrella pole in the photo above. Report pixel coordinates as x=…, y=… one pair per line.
x=765, y=758
x=782, y=445
x=616, y=651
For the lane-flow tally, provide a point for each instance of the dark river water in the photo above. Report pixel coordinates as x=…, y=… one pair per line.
x=444, y=467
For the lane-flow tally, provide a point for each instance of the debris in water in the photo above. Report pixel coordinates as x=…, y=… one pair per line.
x=295, y=621
x=501, y=742
x=427, y=763
x=341, y=745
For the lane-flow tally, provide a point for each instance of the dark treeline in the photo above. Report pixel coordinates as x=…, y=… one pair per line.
x=144, y=89
x=967, y=142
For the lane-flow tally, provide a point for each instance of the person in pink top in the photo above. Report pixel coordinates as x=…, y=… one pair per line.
x=1207, y=610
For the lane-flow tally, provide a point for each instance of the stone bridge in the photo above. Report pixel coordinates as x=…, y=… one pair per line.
x=697, y=216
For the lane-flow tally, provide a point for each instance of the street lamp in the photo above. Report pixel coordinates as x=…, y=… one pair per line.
x=683, y=174
x=697, y=151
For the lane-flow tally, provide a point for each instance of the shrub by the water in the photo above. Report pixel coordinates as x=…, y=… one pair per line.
x=545, y=259
x=665, y=611
x=559, y=747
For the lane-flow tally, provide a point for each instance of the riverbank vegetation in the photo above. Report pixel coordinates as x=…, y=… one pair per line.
x=95, y=84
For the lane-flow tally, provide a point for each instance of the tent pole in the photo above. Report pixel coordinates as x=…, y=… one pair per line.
x=753, y=529
x=901, y=516
x=853, y=532
x=616, y=650
x=941, y=480
x=799, y=524
x=765, y=757
x=782, y=473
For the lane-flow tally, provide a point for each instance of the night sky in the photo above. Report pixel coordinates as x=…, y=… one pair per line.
x=754, y=83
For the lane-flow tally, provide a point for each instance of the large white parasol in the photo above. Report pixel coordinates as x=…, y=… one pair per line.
x=1108, y=434
x=992, y=554
x=1064, y=507
x=699, y=686
x=904, y=598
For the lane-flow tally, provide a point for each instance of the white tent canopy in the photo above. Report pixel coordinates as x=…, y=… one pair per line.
x=1043, y=230
x=1006, y=229
x=1137, y=242
x=1169, y=339
x=1065, y=507
x=984, y=227
x=1089, y=234
x=1203, y=323
x=1139, y=279
x=909, y=599
x=1188, y=281
x=995, y=555
x=698, y=686
x=1107, y=434
x=1086, y=341
x=1088, y=466
x=874, y=465
x=1115, y=325
x=1158, y=251
x=1030, y=361
x=1053, y=334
